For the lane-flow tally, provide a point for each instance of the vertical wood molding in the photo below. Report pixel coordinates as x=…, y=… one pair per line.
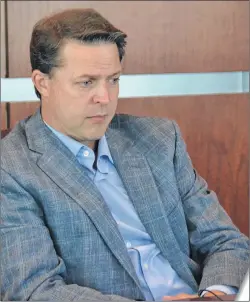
x=3, y=63
x=3, y=41
x=3, y=116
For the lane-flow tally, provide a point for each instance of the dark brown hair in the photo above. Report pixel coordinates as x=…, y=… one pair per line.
x=85, y=25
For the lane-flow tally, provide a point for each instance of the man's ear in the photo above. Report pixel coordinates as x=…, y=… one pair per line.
x=41, y=82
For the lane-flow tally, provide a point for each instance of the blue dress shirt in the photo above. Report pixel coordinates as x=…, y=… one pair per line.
x=156, y=276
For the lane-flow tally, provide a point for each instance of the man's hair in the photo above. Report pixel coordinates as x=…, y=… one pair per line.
x=84, y=25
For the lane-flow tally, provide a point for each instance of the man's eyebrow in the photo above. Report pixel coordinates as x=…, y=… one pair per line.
x=97, y=75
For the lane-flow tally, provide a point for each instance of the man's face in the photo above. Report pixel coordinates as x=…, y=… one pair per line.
x=82, y=95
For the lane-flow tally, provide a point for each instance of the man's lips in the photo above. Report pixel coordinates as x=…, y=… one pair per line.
x=98, y=115
x=97, y=118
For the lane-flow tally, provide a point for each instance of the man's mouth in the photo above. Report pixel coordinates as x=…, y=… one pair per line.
x=98, y=118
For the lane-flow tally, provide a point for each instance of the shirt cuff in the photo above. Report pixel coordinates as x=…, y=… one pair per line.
x=228, y=290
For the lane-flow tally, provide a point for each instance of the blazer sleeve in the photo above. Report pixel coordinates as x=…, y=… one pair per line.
x=30, y=267
x=215, y=242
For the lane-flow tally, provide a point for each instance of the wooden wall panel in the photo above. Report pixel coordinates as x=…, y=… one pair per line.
x=215, y=129
x=3, y=116
x=19, y=111
x=164, y=36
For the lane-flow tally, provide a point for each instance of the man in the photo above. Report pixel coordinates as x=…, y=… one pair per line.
x=98, y=206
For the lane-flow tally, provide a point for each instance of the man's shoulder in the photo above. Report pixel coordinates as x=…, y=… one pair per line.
x=146, y=134
x=13, y=136
x=127, y=120
x=13, y=143
x=145, y=125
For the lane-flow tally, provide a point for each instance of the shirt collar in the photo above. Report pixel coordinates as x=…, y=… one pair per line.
x=75, y=147
x=103, y=149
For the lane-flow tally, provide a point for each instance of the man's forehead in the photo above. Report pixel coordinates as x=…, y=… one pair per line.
x=95, y=59
x=97, y=74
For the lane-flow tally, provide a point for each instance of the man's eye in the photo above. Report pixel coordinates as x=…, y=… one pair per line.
x=86, y=83
x=115, y=81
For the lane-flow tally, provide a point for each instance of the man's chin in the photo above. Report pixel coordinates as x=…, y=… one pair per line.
x=95, y=136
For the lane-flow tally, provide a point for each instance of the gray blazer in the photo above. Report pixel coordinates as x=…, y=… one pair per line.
x=59, y=240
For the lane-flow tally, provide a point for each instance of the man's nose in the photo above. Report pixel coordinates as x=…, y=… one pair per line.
x=102, y=94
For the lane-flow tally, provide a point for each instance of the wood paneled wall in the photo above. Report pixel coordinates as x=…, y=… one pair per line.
x=171, y=37
x=163, y=36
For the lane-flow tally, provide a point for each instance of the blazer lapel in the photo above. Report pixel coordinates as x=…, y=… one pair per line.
x=139, y=182
x=62, y=167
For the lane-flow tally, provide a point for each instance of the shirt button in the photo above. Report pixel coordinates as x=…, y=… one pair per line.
x=86, y=153
x=128, y=244
x=145, y=266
